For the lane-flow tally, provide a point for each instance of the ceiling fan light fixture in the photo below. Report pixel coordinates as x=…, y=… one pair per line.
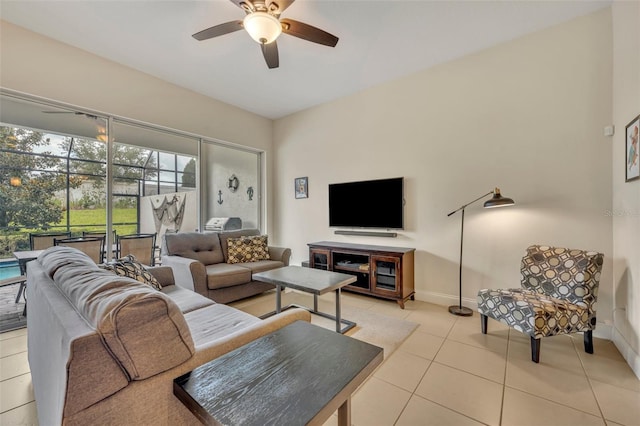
x=262, y=27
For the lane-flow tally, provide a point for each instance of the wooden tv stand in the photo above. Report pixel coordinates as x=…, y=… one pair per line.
x=386, y=272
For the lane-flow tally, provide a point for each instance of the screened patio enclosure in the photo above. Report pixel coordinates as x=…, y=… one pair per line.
x=55, y=175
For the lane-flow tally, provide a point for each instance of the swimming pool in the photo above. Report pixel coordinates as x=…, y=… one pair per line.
x=9, y=269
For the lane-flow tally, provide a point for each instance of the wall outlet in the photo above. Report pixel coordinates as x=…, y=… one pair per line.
x=609, y=130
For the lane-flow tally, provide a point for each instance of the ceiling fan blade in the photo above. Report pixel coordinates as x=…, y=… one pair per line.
x=270, y=52
x=307, y=32
x=218, y=30
x=278, y=6
x=95, y=117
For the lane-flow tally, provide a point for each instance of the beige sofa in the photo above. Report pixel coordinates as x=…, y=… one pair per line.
x=104, y=349
x=199, y=262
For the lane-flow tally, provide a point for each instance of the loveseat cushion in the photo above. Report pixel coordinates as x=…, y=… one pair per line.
x=226, y=275
x=203, y=247
x=142, y=327
x=262, y=265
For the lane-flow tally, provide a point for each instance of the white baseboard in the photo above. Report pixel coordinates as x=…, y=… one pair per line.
x=631, y=356
x=445, y=299
x=603, y=331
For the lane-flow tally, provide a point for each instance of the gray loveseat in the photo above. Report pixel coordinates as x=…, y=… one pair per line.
x=199, y=262
x=104, y=349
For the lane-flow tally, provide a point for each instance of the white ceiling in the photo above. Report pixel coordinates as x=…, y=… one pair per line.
x=379, y=41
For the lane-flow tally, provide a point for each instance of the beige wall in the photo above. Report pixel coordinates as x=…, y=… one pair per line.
x=626, y=196
x=42, y=67
x=526, y=116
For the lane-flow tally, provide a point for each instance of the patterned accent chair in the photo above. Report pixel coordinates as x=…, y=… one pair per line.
x=558, y=294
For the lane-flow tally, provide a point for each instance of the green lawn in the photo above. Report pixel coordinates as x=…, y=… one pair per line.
x=95, y=220
x=80, y=220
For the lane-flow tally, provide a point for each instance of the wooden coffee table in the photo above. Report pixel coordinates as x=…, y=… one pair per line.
x=308, y=280
x=297, y=375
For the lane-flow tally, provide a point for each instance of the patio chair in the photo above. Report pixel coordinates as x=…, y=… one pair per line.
x=91, y=246
x=558, y=294
x=43, y=240
x=20, y=279
x=141, y=246
x=102, y=234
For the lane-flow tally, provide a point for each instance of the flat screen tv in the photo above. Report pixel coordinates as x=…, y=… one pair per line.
x=367, y=204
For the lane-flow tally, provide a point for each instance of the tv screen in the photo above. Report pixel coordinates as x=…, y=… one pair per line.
x=367, y=204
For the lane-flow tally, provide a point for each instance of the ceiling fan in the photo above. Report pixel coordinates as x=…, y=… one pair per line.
x=263, y=23
x=101, y=129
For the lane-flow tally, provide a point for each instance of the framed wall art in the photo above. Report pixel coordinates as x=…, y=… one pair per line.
x=301, y=187
x=632, y=160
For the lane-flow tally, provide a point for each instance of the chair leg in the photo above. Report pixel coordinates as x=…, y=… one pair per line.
x=23, y=284
x=535, y=349
x=588, y=341
x=483, y=323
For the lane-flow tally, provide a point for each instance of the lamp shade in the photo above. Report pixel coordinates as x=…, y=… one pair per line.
x=498, y=200
x=262, y=27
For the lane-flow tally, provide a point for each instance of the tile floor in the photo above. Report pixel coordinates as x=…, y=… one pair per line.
x=445, y=373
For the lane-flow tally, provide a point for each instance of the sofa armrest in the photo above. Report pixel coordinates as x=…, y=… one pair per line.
x=280, y=253
x=163, y=274
x=188, y=273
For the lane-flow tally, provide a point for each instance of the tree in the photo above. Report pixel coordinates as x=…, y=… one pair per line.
x=28, y=182
x=189, y=174
x=123, y=157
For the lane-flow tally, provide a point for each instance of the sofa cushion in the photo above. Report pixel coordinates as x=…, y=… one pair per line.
x=225, y=235
x=226, y=275
x=217, y=321
x=247, y=249
x=128, y=266
x=187, y=300
x=204, y=248
x=143, y=328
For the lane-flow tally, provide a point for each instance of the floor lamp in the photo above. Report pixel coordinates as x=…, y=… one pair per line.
x=496, y=201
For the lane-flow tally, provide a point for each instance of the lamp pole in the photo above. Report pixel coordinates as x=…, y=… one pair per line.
x=496, y=201
x=459, y=309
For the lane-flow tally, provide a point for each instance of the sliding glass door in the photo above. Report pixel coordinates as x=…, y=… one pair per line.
x=68, y=169
x=154, y=180
x=231, y=184
x=52, y=171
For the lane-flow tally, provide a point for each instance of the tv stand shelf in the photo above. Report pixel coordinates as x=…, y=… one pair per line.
x=386, y=272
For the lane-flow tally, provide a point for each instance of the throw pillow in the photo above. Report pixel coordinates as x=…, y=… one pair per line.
x=247, y=249
x=128, y=266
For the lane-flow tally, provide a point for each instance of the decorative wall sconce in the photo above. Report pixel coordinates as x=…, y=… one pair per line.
x=220, y=197
x=234, y=183
x=250, y=193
